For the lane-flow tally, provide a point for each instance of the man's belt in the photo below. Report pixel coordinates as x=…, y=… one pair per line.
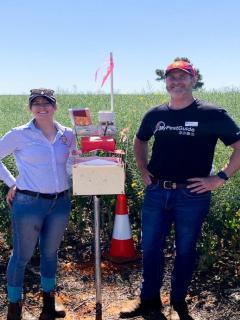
x=43, y=195
x=166, y=184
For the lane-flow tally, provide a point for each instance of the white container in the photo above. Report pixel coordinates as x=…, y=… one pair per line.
x=90, y=130
x=98, y=176
x=107, y=130
x=106, y=117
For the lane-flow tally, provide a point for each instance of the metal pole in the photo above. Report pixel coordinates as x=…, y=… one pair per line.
x=97, y=257
x=112, y=99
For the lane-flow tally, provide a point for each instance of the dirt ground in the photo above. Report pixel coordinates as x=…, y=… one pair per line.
x=213, y=295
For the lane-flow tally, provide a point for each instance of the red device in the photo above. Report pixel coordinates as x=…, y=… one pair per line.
x=104, y=143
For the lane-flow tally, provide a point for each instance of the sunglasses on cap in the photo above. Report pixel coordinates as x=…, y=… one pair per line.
x=47, y=93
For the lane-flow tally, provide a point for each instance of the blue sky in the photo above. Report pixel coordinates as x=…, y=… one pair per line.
x=60, y=44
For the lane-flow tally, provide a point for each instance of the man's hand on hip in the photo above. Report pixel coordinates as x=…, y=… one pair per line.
x=146, y=176
x=200, y=185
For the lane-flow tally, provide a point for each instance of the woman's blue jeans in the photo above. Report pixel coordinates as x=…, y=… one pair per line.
x=161, y=208
x=33, y=219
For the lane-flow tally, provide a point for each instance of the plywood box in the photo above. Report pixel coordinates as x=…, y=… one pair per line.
x=98, y=177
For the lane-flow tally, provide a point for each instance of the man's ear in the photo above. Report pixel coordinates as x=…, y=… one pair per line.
x=194, y=80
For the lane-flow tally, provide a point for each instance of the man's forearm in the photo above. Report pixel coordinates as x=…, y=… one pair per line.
x=234, y=163
x=141, y=153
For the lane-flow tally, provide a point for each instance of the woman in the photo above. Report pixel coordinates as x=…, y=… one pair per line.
x=38, y=197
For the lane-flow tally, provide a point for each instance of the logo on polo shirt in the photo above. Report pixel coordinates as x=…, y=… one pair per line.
x=160, y=126
x=64, y=139
x=183, y=130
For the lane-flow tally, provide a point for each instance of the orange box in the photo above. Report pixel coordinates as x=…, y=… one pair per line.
x=81, y=117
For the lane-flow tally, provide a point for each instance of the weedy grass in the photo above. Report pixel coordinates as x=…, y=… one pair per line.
x=222, y=228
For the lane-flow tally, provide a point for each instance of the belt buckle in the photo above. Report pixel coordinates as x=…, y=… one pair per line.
x=55, y=196
x=169, y=185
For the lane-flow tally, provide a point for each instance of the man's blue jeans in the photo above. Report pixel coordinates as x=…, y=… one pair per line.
x=36, y=219
x=161, y=208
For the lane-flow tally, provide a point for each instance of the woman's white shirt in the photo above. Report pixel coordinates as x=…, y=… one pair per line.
x=41, y=164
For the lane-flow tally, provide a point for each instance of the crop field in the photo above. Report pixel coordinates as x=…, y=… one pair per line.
x=223, y=225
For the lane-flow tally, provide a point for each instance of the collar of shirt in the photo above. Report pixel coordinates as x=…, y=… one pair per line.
x=30, y=125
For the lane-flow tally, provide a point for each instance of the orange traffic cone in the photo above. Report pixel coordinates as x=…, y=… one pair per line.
x=122, y=247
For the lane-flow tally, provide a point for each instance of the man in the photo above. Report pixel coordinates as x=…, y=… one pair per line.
x=178, y=183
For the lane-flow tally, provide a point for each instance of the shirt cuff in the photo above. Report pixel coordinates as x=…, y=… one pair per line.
x=10, y=181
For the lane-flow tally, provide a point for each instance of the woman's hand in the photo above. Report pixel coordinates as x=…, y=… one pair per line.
x=76, y=152
x=11, y=194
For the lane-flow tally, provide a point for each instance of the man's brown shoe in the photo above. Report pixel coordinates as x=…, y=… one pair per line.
x=148, y=308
